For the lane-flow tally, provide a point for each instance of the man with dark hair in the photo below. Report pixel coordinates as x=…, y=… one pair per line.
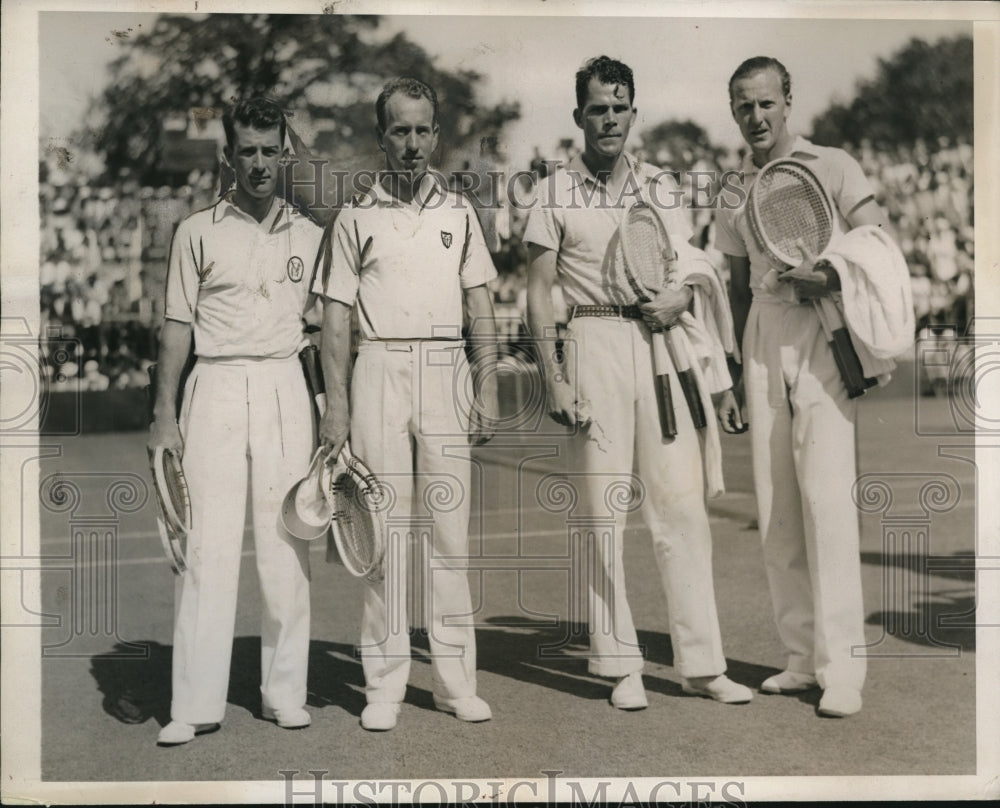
x=238, y=281
x=802, y=421
x=257, y=113
x=407, y=255
x=604, y=390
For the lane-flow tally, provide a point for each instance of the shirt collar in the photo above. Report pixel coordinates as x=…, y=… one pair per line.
x=801, y=149
x=278, y=215
x=579, y=172
x=431, y=184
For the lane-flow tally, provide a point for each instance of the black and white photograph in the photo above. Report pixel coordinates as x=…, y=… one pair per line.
x=499, y=404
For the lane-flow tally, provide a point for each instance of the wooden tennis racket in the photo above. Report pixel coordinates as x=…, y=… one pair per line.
x=649, y=265
x=173, y=521
x=787, y=206
x=358, y=502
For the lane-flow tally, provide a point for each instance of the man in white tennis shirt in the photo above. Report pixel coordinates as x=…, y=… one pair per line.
x=801, y=420
x=407, y=254
x=608, y=394
x=238, y=284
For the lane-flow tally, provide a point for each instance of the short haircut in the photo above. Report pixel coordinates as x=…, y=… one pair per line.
x=414, y=88
x=756, y=65
x=257, y=113
x=607, y=71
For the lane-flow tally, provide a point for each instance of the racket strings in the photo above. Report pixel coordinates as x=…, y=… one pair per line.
x=791, y=208
x=357, y=523
x=644, y=249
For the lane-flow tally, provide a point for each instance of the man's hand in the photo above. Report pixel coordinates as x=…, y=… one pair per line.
x=334, y=427
x=813, y=278
x=668, y=305
x=564, y=407
x=166, y=433
x=728, y=413
x=485, y=413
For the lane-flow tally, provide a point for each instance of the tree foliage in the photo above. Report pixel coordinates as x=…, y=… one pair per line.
x=679, y=145
x=924, y=91
x=326, y=71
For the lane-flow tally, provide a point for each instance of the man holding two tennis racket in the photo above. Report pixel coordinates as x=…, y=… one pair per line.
x=408, y=254
x=238, y=281
x=619, y=385
x=801, y=415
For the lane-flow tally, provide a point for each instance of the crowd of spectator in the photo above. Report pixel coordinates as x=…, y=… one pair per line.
x=104, y=250
x=102, y=263
x=928, y=195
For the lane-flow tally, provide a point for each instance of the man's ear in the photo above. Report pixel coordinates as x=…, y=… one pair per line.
x=227, y=154
x=788, y=105
x=379, y=135
x=578, y=118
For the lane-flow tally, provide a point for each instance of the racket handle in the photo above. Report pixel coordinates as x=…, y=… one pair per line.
x=689, y=385
x=661, y=383
x=313, y=371
x=843, y=349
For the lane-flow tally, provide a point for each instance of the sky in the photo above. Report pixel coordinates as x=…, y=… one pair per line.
x=681, y=64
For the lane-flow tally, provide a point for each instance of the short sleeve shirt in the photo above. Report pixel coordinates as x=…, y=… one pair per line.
x=243, y=284
x=839, y=174
x=578, y=216
x=405, y=265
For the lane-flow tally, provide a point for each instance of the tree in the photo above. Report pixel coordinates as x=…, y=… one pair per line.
x=326, y=70
x=679, y=145
x=922, y=92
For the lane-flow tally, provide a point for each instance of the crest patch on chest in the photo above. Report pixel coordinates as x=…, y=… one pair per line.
x=446, y=239
x=296, y=269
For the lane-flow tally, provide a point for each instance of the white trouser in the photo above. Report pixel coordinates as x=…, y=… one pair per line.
x=615, y=373
x=239, y=413
x=409, y=424
x=802, y=431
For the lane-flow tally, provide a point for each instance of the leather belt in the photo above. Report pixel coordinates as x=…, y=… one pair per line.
x=625, y=312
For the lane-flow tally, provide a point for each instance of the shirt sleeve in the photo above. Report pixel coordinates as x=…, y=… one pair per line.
x=337, y=276
x=182, y=275
x=477, y=266
x=850, y=185
x=543, y=228
x=727, y=238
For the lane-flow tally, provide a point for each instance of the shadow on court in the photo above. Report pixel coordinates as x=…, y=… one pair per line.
x=135, y=690
x=537, y=652
x=921, y=611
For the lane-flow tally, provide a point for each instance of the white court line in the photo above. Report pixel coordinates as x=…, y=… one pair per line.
x=319, y=544
x=147, y=534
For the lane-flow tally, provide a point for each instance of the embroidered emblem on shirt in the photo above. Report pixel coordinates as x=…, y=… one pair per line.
x=446, y=239
x=295, y=269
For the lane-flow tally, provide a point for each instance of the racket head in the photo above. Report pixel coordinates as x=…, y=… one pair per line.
x=171, y=489
x=357, y=501
x=787, y=203
x=646, y=249
x=174, y=545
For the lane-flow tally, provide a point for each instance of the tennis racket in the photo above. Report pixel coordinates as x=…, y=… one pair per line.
x=788, y=205
x=358, y=501
x=649, y=263
x=173, y=521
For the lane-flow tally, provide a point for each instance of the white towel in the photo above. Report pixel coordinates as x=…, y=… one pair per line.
x=875, y=291
x=707, y=336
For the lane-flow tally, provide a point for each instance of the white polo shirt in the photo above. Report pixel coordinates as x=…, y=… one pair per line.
x=406, y=264
x=837, y=171
x=578, y=216
x=243, y=284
